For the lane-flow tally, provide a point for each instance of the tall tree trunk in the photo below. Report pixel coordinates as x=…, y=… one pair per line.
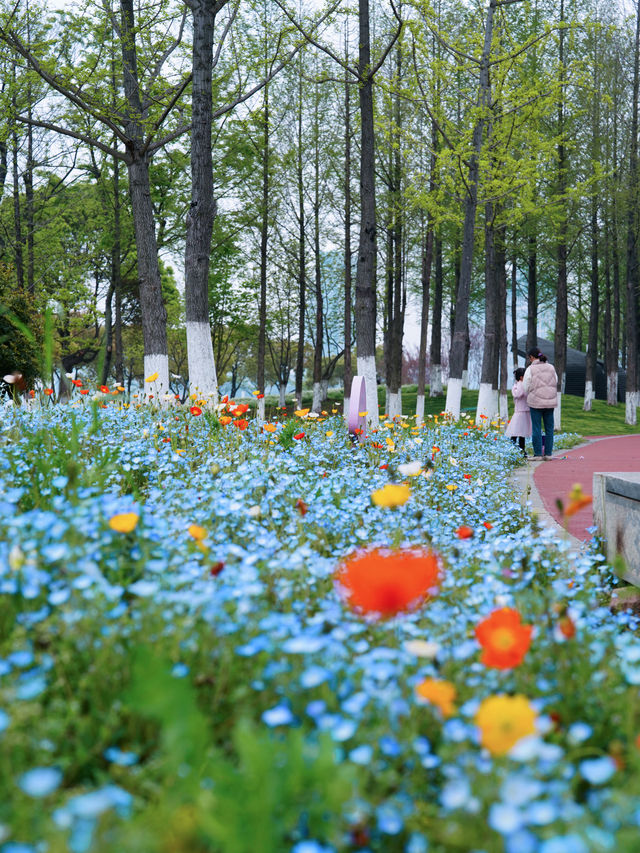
x=154, y=315
x=397, y=296
x=264, y=237
x=560, y=338
x=594, y=312
x=610, y=357
x=18, y=243
x=501, y=277
x=532, y=292
x=302, y=267
x=425, y=282
x=514, y=308
x=435, y=351
x=116, y=273
x=633, y=278
x=460, y=333
x=202, y=212
x=365, y=309
x=348, y=377
x=488, y=394
x=108, y=335
x=614, y=349
x=319, y=342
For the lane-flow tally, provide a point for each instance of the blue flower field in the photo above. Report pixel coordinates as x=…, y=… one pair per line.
x=181, y=671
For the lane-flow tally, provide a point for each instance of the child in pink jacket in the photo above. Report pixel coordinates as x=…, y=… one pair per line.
x=519, y=427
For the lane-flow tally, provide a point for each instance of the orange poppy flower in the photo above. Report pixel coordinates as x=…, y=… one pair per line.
x=240, y=409
x=241, y=423
x=504, y=639
x=225, y=420
x=195, y=410
x=48, y=391
x=384, y=583
x=301, y=506
x=270, y=427
x=298, y=436
x=464, y=532
x=576, y=505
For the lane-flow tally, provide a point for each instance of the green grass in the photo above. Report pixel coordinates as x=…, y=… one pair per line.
x=601, y=420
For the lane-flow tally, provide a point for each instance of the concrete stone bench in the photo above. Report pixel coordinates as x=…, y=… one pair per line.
x=616, y=513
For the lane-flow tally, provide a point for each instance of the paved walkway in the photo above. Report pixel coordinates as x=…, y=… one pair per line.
x=544, y=482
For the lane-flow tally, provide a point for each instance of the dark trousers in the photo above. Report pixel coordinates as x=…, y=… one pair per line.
x=519, y=440
x=538, y=418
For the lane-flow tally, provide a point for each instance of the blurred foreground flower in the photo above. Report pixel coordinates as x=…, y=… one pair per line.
x=393, y=494
x=124, y=522
x=504, y=639
x=577, y=501
x=438, y=692
x=503, y=721
x=384, y=583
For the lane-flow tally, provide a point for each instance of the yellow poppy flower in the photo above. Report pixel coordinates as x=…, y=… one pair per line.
x=393, y=494
x=503, y=721
x=153, y=377
x=197, y=532
x=124, y=522
x=438, y=692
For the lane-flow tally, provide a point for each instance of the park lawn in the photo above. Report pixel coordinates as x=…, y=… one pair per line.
x=601, y=420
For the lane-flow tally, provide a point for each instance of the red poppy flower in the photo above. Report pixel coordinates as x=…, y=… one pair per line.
x=488, y=525
x=260, y=396
x=567, y=627
x=84, y=390
x=241, y=423
x=215, y=570
x=240, y=409
x=298, y=436
x=382, y=467
x=104, y=389
x=76, y=382
x=384, y=582
x=504, y=639
x=195, y=410
x=32, y=393
x=48, y=391
x=464, y=532
x=301, y=506
x=225, y=399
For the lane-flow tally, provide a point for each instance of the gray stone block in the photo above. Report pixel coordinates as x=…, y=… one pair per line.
x=616, y=513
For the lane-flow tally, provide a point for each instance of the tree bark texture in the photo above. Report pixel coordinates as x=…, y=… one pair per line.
x=202, y=211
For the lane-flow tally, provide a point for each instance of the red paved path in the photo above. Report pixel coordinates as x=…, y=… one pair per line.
x=554, y=478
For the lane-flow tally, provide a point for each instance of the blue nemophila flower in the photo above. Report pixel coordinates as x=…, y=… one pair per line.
x=597, y=771
x=40, y=781
x=117, y=756
x=279, y=715
x=505, y=818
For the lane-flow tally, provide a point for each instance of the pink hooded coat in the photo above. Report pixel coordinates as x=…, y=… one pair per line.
x=520, y=423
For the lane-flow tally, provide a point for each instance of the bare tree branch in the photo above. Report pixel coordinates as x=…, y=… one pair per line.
x=112, y=152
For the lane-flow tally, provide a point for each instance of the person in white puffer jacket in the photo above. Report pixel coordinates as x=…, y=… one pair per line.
x=541, y=387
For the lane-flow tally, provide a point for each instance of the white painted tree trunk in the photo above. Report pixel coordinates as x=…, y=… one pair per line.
x=454, y=398
x=156, y=364
x=394, y=404
x=316, y=406
x=487, y=403
x=202, y=370
x=504, y=407
x=435, y=380
x=465, y=378
x=260, y=410
x=588, y=396
x=612, y=387
x=419, y=409
x=367, y=367
x=281, y=398
x=631, y=405
x=345, y=408
x=557, y=415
